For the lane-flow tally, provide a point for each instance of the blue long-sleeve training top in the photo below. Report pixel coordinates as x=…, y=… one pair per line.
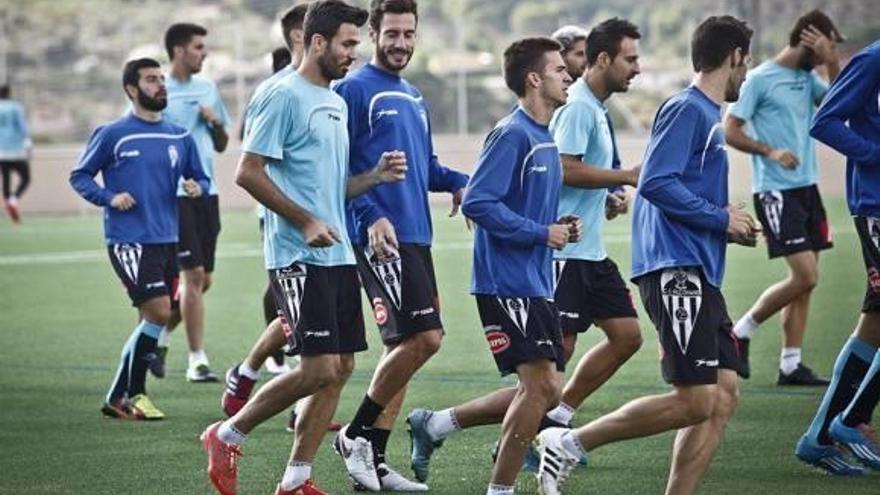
x=146, y=160
x=680, y=216
x=849, y=122
x=513, y=197
x=387, y=113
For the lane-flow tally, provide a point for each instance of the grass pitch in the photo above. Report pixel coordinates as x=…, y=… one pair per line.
x=64, y=318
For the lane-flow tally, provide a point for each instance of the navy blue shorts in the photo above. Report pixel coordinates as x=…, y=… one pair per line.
x=869, y=236
x=146, y=270
x=588, y=292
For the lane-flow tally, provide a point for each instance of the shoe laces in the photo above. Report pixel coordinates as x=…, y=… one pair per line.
x=233, y=452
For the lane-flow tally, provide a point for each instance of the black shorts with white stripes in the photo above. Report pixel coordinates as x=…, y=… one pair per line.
x=521, y=330
x=146, y=270
x=320, y=308
x=695, y=331
x=402, y=291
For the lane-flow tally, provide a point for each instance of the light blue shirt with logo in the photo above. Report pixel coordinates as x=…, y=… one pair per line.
x=301, y=130
x=580, y=127
x=14, y=135
x=778, y=103
x=185, y=100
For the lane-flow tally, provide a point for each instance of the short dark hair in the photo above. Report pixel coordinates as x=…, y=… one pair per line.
x=817, y=19
x=179, y=35
x=280, y=58
x=716, y=38
x=378, y=9
x=525, y=56
x=293, y=19
x=4, y=91
x=567, y=36
x=131, y=72
x=325, y=16
x=606, y=37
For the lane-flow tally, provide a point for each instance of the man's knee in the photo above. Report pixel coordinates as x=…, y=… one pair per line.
x=727, y=394
x=194, y=279
x=696, y=403
x=543, y=387
x=157, y=310
x=207, y=281
x=628, y=340
x=345, y=368
x=426, y=343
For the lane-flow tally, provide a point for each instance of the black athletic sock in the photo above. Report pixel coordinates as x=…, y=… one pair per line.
x=364, y=418
x=862, y=407
x=144, y=346
x=851, y=376
x=380, y=442
x=546, y=422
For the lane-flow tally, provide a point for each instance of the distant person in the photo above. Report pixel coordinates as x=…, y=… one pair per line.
x=142, y=158
x=778, y=100
x=574, y=49
x=849, y=122
x=682, y=222
x=194, y=103
x=15, y=151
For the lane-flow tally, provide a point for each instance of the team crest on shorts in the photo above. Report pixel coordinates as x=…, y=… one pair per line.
x=874, y=231
x=292, y=281
x=517, y=308
x=389, y=273
x=682, y=295
x=772, y=202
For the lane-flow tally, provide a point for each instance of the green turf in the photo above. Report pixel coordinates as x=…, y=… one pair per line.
x=64, y=322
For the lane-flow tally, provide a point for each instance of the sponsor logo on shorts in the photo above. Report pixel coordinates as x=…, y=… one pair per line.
x=544, y=342
x=421, y=312
x=184, y=254
x=569, y=314
x=706, y=363
x=156, y=285
x=792, y=242
x=498, y=341
x=316, y=334
x=874, y=279
x=380, y=312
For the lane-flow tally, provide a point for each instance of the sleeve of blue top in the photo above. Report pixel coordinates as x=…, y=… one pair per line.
x=665, y=161
x=21, y=122
x=441, y=178
x=491, y=182
x=365, y=210
x=220, y=108
x=269, y=127
x=96, y=157
x=853, y=89
x=818, y=87
x=192, y=166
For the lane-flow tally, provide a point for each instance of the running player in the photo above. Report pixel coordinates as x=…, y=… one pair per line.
x=195, y=104
x=295, y=163
x=141, y=158
x=574, y=49
x=778, y=100
x=681, y=225
x=849, y=122
x=393, y=231
x=15, y=151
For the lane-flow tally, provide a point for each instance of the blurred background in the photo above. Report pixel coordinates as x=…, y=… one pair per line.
x=63, y=59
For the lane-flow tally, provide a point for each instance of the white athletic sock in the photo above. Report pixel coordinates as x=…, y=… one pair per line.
x=745, y=327
x=164, y=335
x=299, y=406
x=572, y=445
x=789, y=359
x=499, y=490
x=295, y=475
x=197, y=357
x=247, y=371
x=229, y=434
x=442, y=423
x=561, y=413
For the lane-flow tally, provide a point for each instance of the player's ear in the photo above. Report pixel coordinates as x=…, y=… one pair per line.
x=533, y=79
x=131, y=91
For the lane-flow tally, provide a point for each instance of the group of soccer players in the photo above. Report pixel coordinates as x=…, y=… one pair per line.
x=343, y=164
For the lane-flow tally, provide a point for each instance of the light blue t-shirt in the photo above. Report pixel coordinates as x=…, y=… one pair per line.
x=14, y=137
x=778, y=103
x=184, y=101
x=580, y=127
x=301, y=130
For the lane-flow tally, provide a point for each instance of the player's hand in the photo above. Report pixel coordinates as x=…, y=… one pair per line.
x=788, y=159
x=633, y=179
x=457, y=198
x=822, y=46
x=122, y=201
x=616, y=203
x=192, y=188
x=575, y=227
x=558, y=235
x=318, y=234
x=208, y=115
x=391, y=167
x=382, y=238
x=741, y=227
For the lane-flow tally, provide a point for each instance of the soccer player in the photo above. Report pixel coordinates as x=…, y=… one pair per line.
x=574, y=49
x=195, y=104
x=681, y=225
x=15, y=151
x=295, y=163
x=513, y=198
x=393, y=231
x=849, y=122
x=141, y=158
x=778, y=101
